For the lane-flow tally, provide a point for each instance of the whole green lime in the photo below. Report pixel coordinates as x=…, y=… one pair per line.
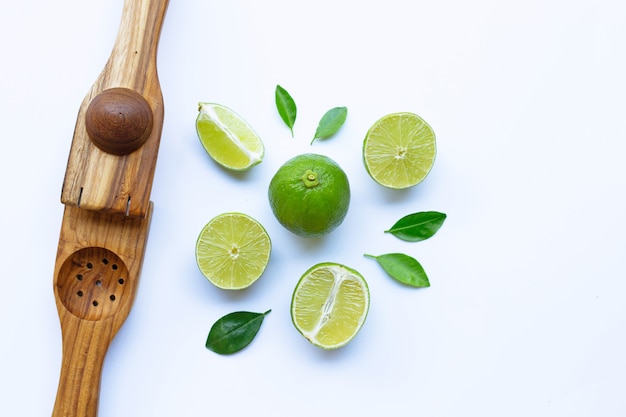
x=310, y=195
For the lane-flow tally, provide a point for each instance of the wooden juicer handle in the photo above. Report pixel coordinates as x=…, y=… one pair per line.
x=118, y=129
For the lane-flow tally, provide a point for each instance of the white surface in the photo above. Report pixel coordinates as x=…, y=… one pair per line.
x=526, y=313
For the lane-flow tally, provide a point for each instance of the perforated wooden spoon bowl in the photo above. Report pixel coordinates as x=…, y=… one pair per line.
x=95, y=281
x=96, y=278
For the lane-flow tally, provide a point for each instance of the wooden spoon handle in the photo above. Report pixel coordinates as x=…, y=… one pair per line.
x=84, y=349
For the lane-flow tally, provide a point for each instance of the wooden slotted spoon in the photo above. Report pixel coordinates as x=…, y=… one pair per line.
x=107, y=207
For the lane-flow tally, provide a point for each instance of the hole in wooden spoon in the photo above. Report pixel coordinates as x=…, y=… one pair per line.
x=87, y=286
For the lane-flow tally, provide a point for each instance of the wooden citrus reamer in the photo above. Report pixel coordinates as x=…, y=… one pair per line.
x=106, y=192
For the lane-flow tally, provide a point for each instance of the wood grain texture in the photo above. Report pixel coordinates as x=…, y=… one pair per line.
x=97, y=180
x=96, y=277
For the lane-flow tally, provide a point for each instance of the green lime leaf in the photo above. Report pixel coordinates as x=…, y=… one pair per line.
x=234, y=331
x=330, y=123
x=286, y=107
x=403, y=268
x=417, y=226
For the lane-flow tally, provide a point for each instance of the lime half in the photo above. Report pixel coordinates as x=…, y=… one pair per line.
x=228, y=138
x=233, y=250
x=330, y=304
x=399, y=150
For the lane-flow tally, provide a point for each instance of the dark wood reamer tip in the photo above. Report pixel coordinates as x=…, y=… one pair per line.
x=119, y=121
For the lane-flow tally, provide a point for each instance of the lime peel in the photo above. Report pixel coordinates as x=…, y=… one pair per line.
x=309, y=195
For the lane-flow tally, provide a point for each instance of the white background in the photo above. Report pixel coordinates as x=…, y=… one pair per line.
x=526, y=313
